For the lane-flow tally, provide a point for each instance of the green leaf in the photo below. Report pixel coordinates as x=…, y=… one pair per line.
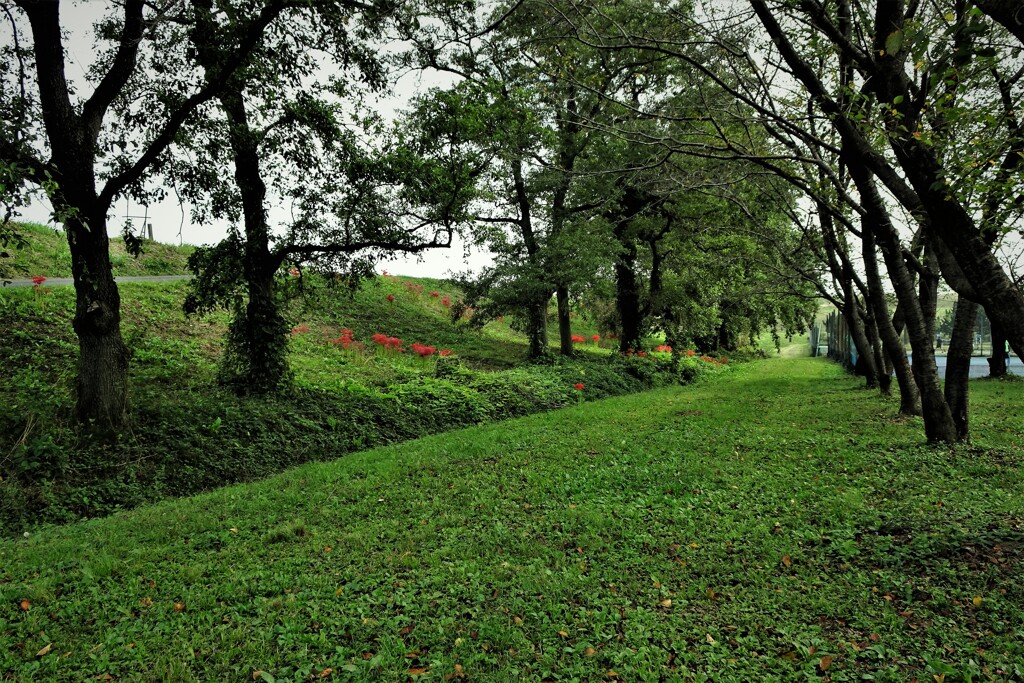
x=893, y=42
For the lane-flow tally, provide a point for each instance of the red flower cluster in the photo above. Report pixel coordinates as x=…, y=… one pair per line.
x=446, y=302
x=579, y=386
x=424, y=351
x=293, y=271
x=663, y=348
x=416, y=289
x=596, y=338
x=577, y=339
x=300, y=328
x=37, y=280
x=435, y=294
x=446, y=352
x=345, y=339
x=388, y=342
x=690, y=353
x=390, y=298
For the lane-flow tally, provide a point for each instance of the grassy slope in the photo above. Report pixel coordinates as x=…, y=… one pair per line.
x=46, y=253
x=187, y=434
x=773, y=525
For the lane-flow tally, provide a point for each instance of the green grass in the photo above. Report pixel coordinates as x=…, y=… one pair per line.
x=187, y=434
x=760, y=527
x=46, y=253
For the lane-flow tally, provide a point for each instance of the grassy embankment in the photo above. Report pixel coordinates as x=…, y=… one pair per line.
x=775, y=524
x=187, y=434
x=46, y=253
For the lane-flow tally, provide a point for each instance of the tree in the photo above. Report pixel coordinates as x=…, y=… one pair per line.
x=288, y=140
x=68, y=146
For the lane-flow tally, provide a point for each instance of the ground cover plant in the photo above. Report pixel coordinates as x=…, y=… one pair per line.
x=379, y=364
x=776, y=524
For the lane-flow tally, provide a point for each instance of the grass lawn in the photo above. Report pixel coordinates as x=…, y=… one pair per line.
x=774, y=524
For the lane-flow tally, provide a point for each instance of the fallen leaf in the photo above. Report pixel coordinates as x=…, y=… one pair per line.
x=45, y=651
x=326, y=672
x=825, y=662
x=977, y=601
x=146, y=601
x=367, y=655
x=563, y=634
x=710, y=639
x=787, y=561
x=939, y=678
x=25, y=604
x=791, y=655
x=666, y=603
x=417, y=670
x=407, y=630
x=233, y=530
x=874, y=637
x=412, y=655
x=694, y=545
x=179, y=607
x=589, y=652
x=327, y=548
x=613, y=674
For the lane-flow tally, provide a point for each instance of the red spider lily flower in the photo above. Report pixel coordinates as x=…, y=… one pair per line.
x=300, y=328
x=393, y=343
x=446, y=302
x=38, y=280
x=690, y=353
x=446, y=352
x=663, y=348
x=579, y=386
x=390, y=298
x=384, y=273
x=577, y=339
x=380, y=339
x=293, y=271
x=435, y=294
x=642, y=354
x=423, y=350
x=596, y=338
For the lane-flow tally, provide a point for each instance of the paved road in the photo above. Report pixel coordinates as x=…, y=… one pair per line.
x=979, y=366
x=59, y=281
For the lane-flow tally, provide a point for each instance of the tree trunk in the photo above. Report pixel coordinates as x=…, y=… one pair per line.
x=997, y=364
x=564, y=321
x=855, y=324
x=103, y=357
x=938, y=421
x=537, y=329
x=627, y=299
x=958, y=365
x=884, y=377
x=910, y=397
x=257, y=358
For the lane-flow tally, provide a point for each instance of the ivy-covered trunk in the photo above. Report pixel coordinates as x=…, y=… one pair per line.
x=627, y=298
x=256, y=359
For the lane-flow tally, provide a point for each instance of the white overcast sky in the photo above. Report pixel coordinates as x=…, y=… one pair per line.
x=172, y=222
